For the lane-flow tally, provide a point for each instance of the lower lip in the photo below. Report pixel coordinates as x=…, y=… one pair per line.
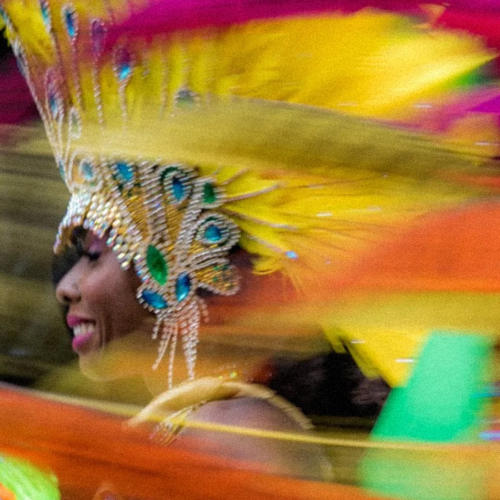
x=82, y=343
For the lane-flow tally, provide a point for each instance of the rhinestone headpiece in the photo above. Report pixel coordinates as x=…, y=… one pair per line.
x=271, y=166
x=159, y=216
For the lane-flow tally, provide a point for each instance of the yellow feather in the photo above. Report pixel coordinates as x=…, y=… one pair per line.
x=278, y=117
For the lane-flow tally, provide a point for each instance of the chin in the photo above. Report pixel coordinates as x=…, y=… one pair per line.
x=113, y=363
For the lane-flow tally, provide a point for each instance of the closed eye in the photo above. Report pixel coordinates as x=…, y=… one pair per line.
x=92, y=256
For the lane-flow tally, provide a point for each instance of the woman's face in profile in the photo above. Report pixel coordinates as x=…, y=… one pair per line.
x=101, y=301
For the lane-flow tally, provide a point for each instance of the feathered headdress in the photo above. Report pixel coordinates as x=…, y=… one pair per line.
x=184, y=128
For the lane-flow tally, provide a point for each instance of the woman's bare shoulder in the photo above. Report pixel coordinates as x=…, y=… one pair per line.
x=256, y=435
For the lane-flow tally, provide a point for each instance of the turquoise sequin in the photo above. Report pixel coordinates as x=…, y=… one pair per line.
x=123, y=65
x=44, y=7
x=213, y=233
x=69, y=16
x=53, y=103
x=87, y=170
x=178, y=188
x=125, y=172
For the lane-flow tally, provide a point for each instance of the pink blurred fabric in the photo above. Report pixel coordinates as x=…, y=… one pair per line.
x=16, y=103
x=170, y=15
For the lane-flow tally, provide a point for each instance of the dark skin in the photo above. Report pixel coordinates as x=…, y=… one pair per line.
x=116, y=332
x=326, y=385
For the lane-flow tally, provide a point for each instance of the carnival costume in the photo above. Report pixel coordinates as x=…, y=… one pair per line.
x=183, y=129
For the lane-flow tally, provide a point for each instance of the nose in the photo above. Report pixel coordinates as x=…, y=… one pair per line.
x=68, y=288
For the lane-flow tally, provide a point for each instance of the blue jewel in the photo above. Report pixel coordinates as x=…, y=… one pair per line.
x=53, y=103
x=60, y=166
x=124, y=71
x=213, y=233
x=70, y=20
x=4, y=16
x=292, y=255
x=125, y=171
x=154, y=299
x=123, y=65
x=178, y=188
x=87, y=170
x=44, y=7
x=182, y=286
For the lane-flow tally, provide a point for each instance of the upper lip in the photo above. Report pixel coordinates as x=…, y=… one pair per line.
x=73, y=320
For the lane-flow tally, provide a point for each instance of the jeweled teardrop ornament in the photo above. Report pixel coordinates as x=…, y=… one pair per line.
x=87, y=170
x=182, y=286
x=157, y=265
x=60, y=166
x=154, y=299
x=209, y=195
x=123, y=67
x=213, y=233
x=178, y=188
x=98, y=34
x=47, y=20
x=53, y=103
x=53, y=100
x=70, y=20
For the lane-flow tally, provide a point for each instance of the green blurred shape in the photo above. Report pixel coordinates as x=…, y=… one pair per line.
x=26, y=481
x=442, y=401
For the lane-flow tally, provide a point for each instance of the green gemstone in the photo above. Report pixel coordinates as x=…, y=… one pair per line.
x=209, y=195
x=157, y=265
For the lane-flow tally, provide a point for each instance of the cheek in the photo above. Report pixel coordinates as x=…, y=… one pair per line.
x=124, y=307
x=111, y=294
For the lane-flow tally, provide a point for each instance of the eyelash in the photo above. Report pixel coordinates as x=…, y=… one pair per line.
x=92, y=256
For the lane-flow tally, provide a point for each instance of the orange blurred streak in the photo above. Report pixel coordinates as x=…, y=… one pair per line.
x=453, y=251
x=87, y=449
x=6, y=494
